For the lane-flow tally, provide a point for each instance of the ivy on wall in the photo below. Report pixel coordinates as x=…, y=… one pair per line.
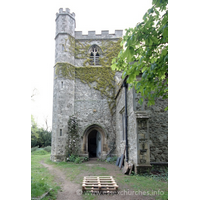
x=110, y=50
x=65, y=70
x=102, y=74
x=76, y=48
x=73, y=140
x=80, y=50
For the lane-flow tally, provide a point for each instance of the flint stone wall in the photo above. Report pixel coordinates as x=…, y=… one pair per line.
x=90, y=107
x=158, y=131
x=87, y=104
x=158, y=126
x=63, y=107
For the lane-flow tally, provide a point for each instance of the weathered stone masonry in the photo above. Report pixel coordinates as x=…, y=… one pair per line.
x=147, y=129
x=147, y=126
x=72, y=96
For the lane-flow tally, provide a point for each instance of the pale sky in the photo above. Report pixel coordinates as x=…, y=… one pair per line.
x=90, y=16
x=27, y=56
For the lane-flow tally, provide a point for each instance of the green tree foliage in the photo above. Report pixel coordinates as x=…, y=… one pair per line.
x=34, y=132
x=39, y=136
x=44, y=138
x=144, y=57
x=73, y=140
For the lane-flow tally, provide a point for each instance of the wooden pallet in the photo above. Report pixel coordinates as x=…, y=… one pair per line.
x=94, y=184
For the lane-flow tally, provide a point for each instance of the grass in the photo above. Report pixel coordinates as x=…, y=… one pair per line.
x=40, y=152
x=41, y=179
x=88, y=196
x=141, y=183
x=153, y=184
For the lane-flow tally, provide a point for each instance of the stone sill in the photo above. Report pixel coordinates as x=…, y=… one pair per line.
x=142, y=114
x=143, y=165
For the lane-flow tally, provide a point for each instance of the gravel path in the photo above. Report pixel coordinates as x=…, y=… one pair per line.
x=68, y=190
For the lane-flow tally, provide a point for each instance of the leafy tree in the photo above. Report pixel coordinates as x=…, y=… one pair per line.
x=144, y=58
x=39, y=136
x=34, y=132
x=44, y=138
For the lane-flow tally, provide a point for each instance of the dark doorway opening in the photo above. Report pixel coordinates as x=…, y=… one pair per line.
x=92, y=146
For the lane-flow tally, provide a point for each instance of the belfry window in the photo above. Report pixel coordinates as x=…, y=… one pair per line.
x=94, y=55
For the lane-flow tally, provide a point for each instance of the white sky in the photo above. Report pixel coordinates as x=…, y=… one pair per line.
x=27, y=31
x=90, y=15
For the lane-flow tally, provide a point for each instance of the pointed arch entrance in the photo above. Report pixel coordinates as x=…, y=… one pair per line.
x=94, y=144
x=94, y=141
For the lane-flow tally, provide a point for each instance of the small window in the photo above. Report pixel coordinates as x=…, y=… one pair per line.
x=63, y=48
x=61, y=84
x=94, y=55
x=60, y=132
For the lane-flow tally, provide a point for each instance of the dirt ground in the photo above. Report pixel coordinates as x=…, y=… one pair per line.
x=72, y=191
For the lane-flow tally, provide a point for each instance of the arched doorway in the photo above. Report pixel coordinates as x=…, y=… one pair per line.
x=94, y=141
x=94, y=144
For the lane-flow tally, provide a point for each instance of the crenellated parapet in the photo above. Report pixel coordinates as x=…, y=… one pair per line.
x=65, y=22
x=104, y=35
x=65, y=12
x=83, y=86
x=65, y=30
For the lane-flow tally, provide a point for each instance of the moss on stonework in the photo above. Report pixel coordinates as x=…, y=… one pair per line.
x=76, y=48
x=69, y=45
x=80, y=50
x=65, y=70
x=110, y=50
x=103, y=76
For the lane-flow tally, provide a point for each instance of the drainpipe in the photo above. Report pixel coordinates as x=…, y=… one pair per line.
x=126, y=135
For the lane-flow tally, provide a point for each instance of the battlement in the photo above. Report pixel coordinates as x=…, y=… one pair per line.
x=65, y=12
x=104, y=35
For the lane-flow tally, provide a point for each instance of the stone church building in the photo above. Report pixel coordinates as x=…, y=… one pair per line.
x=110, y=118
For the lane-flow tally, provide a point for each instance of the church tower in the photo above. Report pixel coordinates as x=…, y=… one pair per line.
x=110, y=118
x=83, y=87
x=63, y=89
x=65, y=32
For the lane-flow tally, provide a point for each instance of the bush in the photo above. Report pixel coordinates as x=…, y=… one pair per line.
x=80, y=159
x=39, y=149
x=48, y=148
x=85, y=158
x=77, y=159
x=40, y=152
x=113, y=159
x=34, y=148
x=72, y=158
